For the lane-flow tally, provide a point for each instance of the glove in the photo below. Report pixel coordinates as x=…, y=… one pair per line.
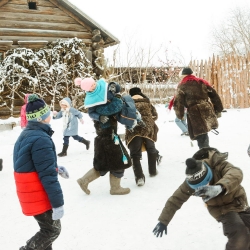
x=103, y=119
x=208, y=192
x=248, y=151
x=63, y=172
x=159, y=229
x=81, y=121
x=57, y=213
x=54, y=113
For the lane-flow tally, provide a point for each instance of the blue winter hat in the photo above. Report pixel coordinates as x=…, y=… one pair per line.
x=198, y=173
x=36, y=109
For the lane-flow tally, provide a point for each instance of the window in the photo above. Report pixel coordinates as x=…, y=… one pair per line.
x=32, y=5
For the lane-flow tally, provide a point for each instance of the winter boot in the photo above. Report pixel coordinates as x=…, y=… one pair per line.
x=64, y=151
x=152, y=164
x=87, y=143
x=203, y=141
x=1, y=164
x=139, y=176
x=90, y=176
x=116, y=187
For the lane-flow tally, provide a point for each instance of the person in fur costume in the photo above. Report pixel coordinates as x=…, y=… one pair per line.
x=142, y=139
x=218, y=182
x=110, y=155
x=203, y=106
x=70, y=118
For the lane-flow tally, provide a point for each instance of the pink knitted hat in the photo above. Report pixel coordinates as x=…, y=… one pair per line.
x=85, y=83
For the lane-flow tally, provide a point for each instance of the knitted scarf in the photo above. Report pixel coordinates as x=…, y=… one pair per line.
x=194, y=78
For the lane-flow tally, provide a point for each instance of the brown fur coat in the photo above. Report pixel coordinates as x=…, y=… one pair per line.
x=149, y=115
x=203, y=105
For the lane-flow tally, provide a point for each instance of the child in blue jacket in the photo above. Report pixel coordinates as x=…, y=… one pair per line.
x=36, y=175
x=70, y=118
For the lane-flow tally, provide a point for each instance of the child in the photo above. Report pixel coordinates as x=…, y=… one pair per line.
x=108, y=101
x=36, y=175
x=23, y=112
x=70, y=124
x=209, y=175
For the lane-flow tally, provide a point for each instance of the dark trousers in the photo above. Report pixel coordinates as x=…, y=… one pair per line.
x=236, y=227
x=202, y=140
x=135, y=146
x=117, y=174
x=75, y=137
x=49, y=231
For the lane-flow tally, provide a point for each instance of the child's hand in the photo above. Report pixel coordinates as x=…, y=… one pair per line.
x=81, y=121
x=54, y=113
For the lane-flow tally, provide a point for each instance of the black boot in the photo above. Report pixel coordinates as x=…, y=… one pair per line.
x=87, y=143
x=139, y=176
x=64, y=151
x=203, y=141
x=1, y=164
x=152, y=164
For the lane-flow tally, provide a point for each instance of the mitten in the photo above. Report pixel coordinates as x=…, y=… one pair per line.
x=54, y=113
x=159, y=229
x=81, y=121
x=103, y=119
x=63, y=172
x=248, y=151
x=57, y=213
x=208, y=192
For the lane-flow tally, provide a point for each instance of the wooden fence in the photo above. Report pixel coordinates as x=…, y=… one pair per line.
x=230, y=76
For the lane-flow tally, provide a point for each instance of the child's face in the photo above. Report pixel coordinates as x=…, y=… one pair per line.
x=63, y=106
x=93, y=86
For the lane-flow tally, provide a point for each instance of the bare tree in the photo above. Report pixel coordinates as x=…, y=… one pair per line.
x=233, y=35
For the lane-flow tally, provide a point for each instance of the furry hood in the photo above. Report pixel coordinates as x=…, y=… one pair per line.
x=66, y=101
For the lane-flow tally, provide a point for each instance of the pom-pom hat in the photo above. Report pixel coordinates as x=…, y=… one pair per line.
x=36, y=109
x=85, y=84
x=198, y=173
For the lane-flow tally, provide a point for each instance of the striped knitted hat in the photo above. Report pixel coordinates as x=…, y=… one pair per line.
x=36, y=109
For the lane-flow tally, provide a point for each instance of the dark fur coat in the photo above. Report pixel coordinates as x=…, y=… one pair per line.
x=107, y=155
x=203, y=105
x=149, y=115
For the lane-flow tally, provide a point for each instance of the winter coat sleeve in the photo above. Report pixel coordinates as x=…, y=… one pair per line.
x=93, y=114
x=58, y=115
x=23, y=116
x=179, y=106
x=154, y=113
x=174, y=203
x=215, y=99
x=76, y=112
x=231, y=177
x=43, y=157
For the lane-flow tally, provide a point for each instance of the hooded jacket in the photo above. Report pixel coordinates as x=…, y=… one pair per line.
x=24, y=120
x=70, y=117
x=233, y=198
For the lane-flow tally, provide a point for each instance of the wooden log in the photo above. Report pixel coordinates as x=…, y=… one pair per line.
x=41, y=25
x=43, y=33
x=38, y=3
x=3, y=2
x=17, y=8
x=33, y=17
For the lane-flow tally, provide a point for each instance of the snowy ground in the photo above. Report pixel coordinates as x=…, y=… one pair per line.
x=101, y=221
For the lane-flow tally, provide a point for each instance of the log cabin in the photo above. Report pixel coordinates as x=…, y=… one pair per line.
x=33, y=24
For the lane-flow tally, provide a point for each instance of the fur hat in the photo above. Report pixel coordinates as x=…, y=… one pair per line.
x=187, y=71
x=85, y=83
x=198, y=173
x=36, y=109
x=135, y=91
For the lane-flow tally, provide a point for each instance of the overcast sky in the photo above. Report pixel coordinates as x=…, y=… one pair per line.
x=187, y=24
